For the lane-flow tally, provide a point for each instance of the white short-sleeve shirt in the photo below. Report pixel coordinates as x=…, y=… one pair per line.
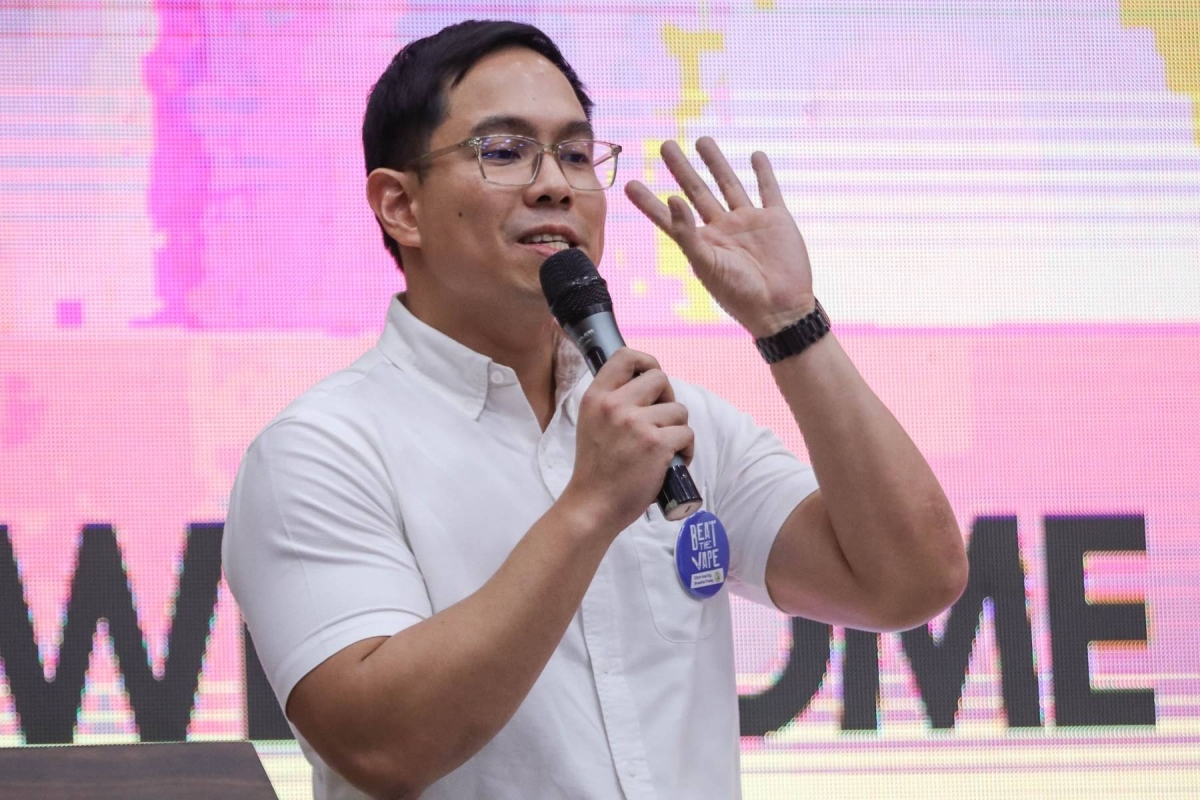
x=397, y=486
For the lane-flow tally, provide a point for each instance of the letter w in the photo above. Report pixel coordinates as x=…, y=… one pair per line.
x=100, y=590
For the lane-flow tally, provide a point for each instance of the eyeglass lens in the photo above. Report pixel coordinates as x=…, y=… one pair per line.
x=513, y=161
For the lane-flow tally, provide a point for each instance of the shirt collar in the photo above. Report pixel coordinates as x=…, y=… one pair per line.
x=461, y=372
x=569, y=371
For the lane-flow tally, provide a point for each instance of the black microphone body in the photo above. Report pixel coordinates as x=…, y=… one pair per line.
x=579, y=300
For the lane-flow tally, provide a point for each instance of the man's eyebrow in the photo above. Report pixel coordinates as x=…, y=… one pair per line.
x=504, y=123
x=577, y=129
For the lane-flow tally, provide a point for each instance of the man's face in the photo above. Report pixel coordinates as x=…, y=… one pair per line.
x=474, y=234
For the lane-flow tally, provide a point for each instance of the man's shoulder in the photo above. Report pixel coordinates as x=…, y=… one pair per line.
x=345, y=404
x=343, y=390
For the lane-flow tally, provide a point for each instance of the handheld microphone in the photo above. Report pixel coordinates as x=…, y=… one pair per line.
x=580, y=301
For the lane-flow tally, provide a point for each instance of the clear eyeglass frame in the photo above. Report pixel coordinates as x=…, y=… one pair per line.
x=600, y=179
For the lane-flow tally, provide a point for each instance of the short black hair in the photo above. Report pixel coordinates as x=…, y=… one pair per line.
x=408, y=102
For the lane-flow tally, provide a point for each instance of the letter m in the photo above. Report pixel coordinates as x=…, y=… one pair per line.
x=940, y=668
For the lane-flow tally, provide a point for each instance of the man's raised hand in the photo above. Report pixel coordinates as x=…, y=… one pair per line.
x=751, y=259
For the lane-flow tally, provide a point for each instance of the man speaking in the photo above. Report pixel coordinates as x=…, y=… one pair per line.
x=449, y=554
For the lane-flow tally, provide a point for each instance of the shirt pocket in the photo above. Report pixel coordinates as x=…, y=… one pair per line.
x=678, y=616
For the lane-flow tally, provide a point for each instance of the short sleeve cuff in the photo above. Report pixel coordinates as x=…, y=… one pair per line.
x=332, y=639
x=751, y=582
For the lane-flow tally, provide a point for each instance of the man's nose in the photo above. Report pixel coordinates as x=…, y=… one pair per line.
x=551, y=184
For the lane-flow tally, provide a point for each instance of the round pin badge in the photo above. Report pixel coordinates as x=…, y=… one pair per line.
x=702, y=555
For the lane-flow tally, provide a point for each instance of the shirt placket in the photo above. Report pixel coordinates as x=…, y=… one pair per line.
x=598, y=614
x=616, y=700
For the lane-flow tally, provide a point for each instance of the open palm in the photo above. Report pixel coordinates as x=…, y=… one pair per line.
x=752, y=260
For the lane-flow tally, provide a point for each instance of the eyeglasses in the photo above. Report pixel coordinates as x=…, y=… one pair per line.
x=587, y=164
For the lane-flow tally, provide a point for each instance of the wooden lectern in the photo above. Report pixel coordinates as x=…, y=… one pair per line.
x=175, y=771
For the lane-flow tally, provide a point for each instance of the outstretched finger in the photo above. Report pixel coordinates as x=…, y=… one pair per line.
x=768, y=187
x=674, y=218
x=683, y=226
x=646, y=202
x=727, y=180
x=697, y=191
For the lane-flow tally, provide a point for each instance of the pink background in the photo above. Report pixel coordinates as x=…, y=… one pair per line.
x=1001, y=200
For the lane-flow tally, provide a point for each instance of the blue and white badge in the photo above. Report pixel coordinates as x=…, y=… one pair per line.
x=702, y=555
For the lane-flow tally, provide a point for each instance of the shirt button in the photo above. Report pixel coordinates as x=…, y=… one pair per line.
x=497, y=377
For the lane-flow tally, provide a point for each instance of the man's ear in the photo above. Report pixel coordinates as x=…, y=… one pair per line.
x=389, y=193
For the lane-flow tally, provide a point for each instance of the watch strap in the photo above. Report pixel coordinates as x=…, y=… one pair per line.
x=795, y=338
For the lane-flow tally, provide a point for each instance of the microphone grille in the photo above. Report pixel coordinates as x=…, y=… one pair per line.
x=572, y=285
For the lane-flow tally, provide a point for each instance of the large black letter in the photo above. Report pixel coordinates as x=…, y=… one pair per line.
x=860, y=681
x=100, y=590
x=1074, y=623
x=941, y=669
x=264, y=718
x=778, y=705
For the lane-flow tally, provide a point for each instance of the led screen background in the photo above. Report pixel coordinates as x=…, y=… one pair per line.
x=1002, y=205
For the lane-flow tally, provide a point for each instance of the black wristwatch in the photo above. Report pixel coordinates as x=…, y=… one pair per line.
x=795, y=338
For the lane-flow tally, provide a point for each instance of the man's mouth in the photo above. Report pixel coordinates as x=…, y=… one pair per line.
x=548, y=242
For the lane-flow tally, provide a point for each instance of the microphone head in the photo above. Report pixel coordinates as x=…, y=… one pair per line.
x=573, y=286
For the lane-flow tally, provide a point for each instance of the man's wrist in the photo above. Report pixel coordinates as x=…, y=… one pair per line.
x=795, y=337
x=768, y=324
x=585, y=515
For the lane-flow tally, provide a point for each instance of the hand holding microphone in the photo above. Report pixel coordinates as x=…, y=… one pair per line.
x=637, y=433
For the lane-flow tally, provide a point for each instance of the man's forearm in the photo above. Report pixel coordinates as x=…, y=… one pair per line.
x=420, y=703
x=890, y=517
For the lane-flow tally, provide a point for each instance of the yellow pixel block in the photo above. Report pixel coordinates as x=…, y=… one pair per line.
x=697, y=305
x=669, y=261
x=1176, y=26
x=687, y=47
